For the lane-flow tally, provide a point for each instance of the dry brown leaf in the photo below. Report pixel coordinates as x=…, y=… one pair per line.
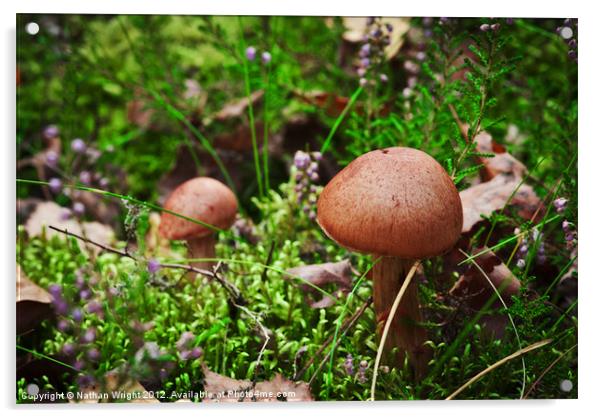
x=356, y=27
x=238, y=107
x=50, y=214
x=33, y=303
x=322, y=274
x=486, y=198
x=502, y=163
x=117, y=389
x=476, y=289
x=221, y=388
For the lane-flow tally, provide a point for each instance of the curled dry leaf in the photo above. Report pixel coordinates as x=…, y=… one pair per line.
x=475, y=290
x=33, y=303
x=322, y=274
x=238, y=107
x=486, y=198
x=50, y=214
x=221, y=388
x=356, y=29
x=117, y=388
x=502, y=163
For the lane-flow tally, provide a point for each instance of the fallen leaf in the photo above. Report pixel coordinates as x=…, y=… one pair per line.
x=238, y=107
x=474, y=287
x=33, y=303
x=117, y=388
x=322, y=274
x=49, y=213
x=502, y=163
x=221, y=388
x=485, y=198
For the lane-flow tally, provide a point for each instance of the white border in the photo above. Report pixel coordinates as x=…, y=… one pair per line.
x=590, y=156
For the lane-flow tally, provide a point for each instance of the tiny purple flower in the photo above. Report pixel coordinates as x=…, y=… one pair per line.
x=79, y=209
x=60, y=306
x=94, y=306
x=185, y=339
x=78, y=364
x=348, y=365
x=68, y=349
x=361, y=71
x=195, y=353
x=560, y=204
x=85, y=294
x=85, y=178
x=78, y=146
x=55, y=185
x=63, y=325
x=250, y=53
x=317, y=155
x=389, y=27
x=384, y=78
x=56, y=290
x=65, y=214
x=510, y=21
x=314, y=176
x=363, y=81
x=52, y=158
x=77, y=315
x=266, y=57
x=495, y=27
x=365, y=62
x=365, y=50
x=51, y=131
x=566, y=226
x=484, y=27
x=89, y=336
x=301, y=160
x=153, y=266
x=103, y=182
x=93, y=354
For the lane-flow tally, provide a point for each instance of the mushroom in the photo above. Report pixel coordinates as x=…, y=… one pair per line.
x=399, y=205
x=206, y=200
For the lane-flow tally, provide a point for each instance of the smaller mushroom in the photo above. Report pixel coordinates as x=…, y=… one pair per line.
x=204, y=199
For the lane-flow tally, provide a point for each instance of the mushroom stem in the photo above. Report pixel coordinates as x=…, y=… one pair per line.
x=405, y=333
x=202, y=247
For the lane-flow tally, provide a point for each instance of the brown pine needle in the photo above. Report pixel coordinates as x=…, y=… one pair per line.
x=497, y=364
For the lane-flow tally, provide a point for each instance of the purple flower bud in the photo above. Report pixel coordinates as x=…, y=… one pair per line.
x=298, y=188
x=317, y=155
x=185, y=340
x=569, y=237
x=376, y=33
x=384, y=78
x=60, y=306
x=78, y=365
x=93, y=354
x=153, y=266
x=484, y=27
x=55, y=185
x=520, y=263
x=85, y=178
x=85, y=381
x=363, y=81
x=89, y=336
x=365, y=50
x=389, y=27
x=312, y=215
x=65, y=214
x=348, y=365
x=313, y=167
x=63, y=325
x=428, y=33
x=85, y=294
x=77, y=315
x=56, y=290
x=52, y=158
x=421, y=55
x=572, y=54
x=314, y=176
x=495, y=27
x=94, y=307
x=103, y=182
x=572, y=43
x=510, y=21
x=365, y=62
x=195, y=353
x=298, y=176
x=566, y=226
x=79, y=209
x=51, y=131
x=560, y=204
x=266, y=57
x=78, y=146
x=301, y=160
x=68, y=349
x=184, y=355
x=361, y=71
x=250, y=53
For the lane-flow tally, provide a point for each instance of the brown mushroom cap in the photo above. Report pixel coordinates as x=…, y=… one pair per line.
x=202, y=198
x=393, y=202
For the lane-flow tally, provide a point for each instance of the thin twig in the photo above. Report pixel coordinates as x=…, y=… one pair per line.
x=498, y=364
x=393, y=311
x=546, y=371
